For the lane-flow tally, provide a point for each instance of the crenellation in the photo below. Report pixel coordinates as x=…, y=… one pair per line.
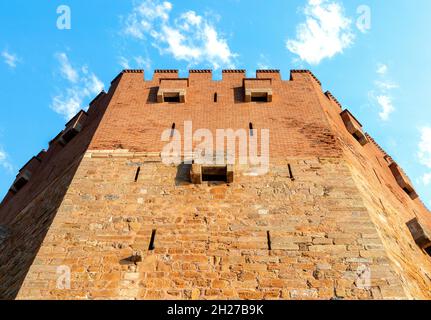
x=329, y=95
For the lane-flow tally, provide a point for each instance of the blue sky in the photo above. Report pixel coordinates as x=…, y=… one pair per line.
x=372, y=55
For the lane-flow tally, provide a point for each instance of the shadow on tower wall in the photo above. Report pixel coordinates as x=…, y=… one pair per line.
x=26, y=217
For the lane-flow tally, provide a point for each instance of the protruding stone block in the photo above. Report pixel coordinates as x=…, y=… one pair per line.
x=354, y=127
x=172, y=90
x=420, y=232
x=73, y=127
x=403, y=181
x=258, y=90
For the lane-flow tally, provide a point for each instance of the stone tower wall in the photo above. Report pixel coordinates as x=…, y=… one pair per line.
x=161, y=236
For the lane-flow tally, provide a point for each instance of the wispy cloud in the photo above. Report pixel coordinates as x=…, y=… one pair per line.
x=382, y=95
x=66, y=68
x=424, y=152
x=81, y=84
x=10, y=59
x=138, y=62
x=325, y=32
x=188, y=37
x=5, y=161
x=426, y=179
x=263, y=62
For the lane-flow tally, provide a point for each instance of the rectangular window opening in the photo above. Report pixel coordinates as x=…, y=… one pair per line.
x=259, y=97
x=172, y=97
x=214, y=173
x=215, y=97
x=250, y=126
x=137, y=174
x=151, y=247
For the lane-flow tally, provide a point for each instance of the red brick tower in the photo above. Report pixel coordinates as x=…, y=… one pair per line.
x=100, y=216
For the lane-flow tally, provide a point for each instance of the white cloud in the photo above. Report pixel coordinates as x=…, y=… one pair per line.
x=382, y=68
x=382, y=94
x=426, y=179
x=10, y=59
x=83, y=84
x=325, y=32
x=188, y=37
x=4, y=161
x=385, y=102
x=424, y=152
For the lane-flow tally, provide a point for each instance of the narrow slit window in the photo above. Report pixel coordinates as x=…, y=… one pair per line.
x=291, y=173
x=137, y=174
x=250, y=126
x=151, y=247
x=268, y=237
x=215, y=97
x=173, y=129
x=379, y=162
x=214, y=173
x=377, y=176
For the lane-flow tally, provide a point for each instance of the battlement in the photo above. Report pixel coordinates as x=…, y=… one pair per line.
x=329, y=95
x=227, y=74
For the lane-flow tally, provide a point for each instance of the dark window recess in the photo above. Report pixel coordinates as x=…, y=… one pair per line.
x=407, y=190
x=268, y=237
x=214, y=174
x=250, y=126
x=151, y=247
x=172, y=97
x=263, y=97
x=357, y=136
x=69, y=135
x=215, y=97
x=428, y=250
x=173, y=130
x=20, y=183
x=137, y=174
x=291, y=173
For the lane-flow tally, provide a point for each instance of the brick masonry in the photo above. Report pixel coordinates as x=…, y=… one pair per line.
x=260, y=237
